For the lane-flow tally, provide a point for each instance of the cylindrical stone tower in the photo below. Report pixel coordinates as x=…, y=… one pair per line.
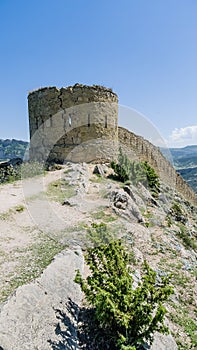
x=77, y=123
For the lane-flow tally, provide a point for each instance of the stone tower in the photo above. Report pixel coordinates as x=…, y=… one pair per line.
x=77, y=123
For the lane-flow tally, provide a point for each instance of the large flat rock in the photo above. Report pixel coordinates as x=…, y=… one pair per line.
x=43, y=315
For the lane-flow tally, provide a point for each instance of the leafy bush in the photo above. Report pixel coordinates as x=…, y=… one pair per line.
x=98, y=234
x=127, y=170
x=135, y=172
x=12, y=173
x=177, y=213
x=152, y=178
x=127, y=315
x=188, y=240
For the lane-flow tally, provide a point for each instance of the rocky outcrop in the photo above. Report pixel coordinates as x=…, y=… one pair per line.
x=164, y=342
x=43, y=315
x=125, y=206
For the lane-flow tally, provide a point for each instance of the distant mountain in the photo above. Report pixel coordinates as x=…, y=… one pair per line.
x=190, y=175
x=185, y=162
x=12, y=148
x=185, y=157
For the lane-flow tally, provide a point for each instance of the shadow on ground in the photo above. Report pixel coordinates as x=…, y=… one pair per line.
x=77, y=328
x=66, y=328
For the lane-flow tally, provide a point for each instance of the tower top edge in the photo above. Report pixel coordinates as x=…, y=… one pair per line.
x=71, y=89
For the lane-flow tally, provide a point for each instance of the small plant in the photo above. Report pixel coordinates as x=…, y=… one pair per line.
x=169, y=221
x=128, y=171
x=152, y=178
x=177, y=213
x=128, y=316
x=20, y=208
x=98, y=234
x=188, y=240
x=13, y=173
x=104, y=215
x=60, y=190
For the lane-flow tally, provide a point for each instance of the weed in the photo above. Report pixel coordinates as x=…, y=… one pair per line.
x=97, y=179
x=38, y=257
x=103, y=215
x=188, y=241
x=20, y=208
x=59, y=190
x=128, y=171
x=181, y=318
x=177, y=213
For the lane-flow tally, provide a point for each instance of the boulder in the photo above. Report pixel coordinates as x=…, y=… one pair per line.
x=43, y=315
x=99, y=170
x=125, y=206
x=163, y=342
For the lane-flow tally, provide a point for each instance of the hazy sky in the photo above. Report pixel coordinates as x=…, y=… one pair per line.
x=145, y=50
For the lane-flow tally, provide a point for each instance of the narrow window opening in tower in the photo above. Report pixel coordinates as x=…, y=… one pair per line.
x=105, y=121
x=69, y=120
x=88, y=120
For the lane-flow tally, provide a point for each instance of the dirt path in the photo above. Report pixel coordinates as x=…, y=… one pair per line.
x=14, y=194
x=35, y=227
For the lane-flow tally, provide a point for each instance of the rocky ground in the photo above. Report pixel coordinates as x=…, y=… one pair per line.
x=48, y=216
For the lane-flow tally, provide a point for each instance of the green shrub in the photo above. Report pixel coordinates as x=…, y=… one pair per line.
x=177, y=213
x=135, y=172
x=10, y=174
x=128, y=316
x=13, y=173
x=188, y=240
x=98, y=234
x=152, y=178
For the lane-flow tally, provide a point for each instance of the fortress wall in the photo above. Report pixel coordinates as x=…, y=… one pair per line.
x=137, y=148
x=65, y=122
x=80, y=123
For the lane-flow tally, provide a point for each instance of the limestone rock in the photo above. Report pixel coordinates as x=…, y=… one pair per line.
x=124, y=206
x=164, y=342
x=43, y=314
x=99, y=170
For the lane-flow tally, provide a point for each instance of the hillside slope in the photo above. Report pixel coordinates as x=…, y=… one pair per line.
x=12, y=148
x=53, y=218
x=185, y=162
x=185, y=157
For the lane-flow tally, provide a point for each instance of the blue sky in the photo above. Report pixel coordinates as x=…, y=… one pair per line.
x=146, y=51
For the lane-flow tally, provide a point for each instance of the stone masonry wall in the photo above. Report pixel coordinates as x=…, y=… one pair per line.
x=137, y=148
x=78, y=123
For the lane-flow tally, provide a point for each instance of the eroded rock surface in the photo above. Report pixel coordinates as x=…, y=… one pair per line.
x=43, y=315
